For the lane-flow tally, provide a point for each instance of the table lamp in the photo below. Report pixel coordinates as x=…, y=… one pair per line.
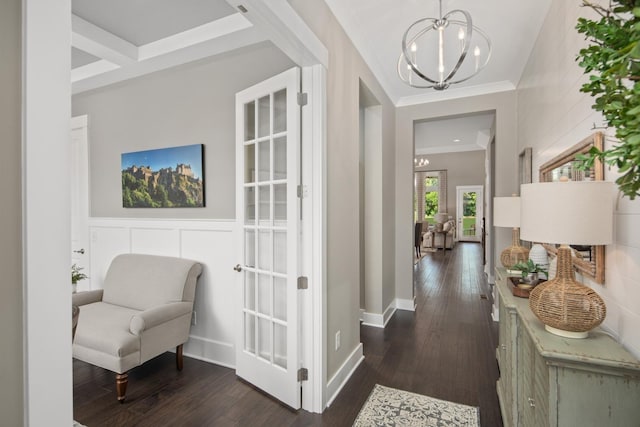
x=506, y=213
x=567, y=213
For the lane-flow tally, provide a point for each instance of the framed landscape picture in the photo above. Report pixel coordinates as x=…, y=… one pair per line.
x=163, y=178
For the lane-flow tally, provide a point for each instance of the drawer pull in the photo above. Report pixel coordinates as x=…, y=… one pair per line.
x=504, y=346
x=532, y=402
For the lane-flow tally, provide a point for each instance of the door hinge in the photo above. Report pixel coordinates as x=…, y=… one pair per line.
x=302, y=99
x=303, y=282
x=303, y=374
x=301, y=191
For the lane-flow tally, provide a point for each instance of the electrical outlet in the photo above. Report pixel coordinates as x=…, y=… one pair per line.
x=193, y=317
x=337, y=340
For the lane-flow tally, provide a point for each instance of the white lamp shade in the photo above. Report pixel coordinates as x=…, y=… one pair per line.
x=579, y=213
x=506, y=212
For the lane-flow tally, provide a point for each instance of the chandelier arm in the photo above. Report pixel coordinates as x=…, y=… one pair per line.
x=480, y=68
x=465, y=50
x=405, y=52
x=406, y=80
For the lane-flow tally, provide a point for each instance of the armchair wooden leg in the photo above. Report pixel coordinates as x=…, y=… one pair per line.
x=179, y=357
x=121, y=385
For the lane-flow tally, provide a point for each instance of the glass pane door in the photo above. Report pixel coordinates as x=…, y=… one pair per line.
x=268, y=165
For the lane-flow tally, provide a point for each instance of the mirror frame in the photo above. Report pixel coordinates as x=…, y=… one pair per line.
x=592, y=269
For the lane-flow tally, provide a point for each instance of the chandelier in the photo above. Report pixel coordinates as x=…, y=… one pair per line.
x=445, y=41
x=423, y=161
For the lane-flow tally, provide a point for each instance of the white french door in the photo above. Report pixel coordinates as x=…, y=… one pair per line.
x=267, y=210
x=469, y=209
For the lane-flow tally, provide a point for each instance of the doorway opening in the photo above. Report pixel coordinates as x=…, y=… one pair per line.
x=451, y=152
x=370, y=207
x=469, y=210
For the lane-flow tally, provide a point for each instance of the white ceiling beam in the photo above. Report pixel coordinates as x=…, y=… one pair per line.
x=286, y=29
x=171, y=59
x=92, y=69
x=103, y=44
x=203, y=33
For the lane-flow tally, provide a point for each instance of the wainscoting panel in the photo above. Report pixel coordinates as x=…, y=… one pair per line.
x=155, y=241
x=212, y=243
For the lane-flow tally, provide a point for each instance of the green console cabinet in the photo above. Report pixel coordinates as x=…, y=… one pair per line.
x=547, y=380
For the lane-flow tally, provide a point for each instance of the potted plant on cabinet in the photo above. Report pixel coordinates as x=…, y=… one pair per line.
x=529, y=271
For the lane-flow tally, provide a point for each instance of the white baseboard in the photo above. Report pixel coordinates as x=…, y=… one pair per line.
x=379, y=320
x=207, y=350
x=406, y=304
x=338, y=381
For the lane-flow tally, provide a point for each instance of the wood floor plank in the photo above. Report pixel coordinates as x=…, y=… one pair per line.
x=445, y=349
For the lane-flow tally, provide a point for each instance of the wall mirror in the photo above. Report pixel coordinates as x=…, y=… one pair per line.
x=590, y=262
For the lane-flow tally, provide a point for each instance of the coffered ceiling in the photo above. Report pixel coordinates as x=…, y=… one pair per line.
x=120, y=39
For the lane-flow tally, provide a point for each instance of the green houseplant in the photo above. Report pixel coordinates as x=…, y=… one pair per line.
x=612, y=59
x=77, y=275
x=529, y=270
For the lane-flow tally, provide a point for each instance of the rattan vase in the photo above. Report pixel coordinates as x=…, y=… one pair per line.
x=567, y=307
x=514, y=253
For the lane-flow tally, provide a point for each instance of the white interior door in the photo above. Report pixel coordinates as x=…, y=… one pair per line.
x=469, y=209
x=80, y=198
x=267, y=209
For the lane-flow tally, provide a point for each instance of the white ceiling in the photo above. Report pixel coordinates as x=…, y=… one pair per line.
x=376, y=28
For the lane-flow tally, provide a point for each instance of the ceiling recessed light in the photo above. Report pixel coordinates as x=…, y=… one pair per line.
x=456, y=140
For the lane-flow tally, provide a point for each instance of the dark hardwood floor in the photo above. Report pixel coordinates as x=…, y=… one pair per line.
x=446, y=350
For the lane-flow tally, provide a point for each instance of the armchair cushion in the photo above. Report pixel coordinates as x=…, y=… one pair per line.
x=105, y=328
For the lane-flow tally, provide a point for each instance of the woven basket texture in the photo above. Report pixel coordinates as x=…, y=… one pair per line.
x=565, y=304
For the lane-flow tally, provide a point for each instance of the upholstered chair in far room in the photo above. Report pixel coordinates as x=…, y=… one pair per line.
x=143, y=310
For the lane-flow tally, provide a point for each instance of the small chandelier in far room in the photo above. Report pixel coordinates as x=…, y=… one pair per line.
x=422, y=161
x=436, y=51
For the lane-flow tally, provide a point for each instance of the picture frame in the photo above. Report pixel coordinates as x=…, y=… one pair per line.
x=170, y=177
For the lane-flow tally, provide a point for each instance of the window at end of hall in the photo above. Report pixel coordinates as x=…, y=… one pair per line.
x=426, y=192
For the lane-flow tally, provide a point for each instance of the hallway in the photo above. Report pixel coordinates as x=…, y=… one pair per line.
x=446, y=349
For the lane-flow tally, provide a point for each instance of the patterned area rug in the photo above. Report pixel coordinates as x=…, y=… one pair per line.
x=390, y=407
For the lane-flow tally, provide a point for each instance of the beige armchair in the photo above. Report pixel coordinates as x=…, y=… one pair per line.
x=143, y=310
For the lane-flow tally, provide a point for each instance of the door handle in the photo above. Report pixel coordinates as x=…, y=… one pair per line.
x=80, y=251
x=237, y=268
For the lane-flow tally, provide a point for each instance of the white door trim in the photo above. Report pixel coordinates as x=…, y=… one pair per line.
x=313, y=304
x=479, y=189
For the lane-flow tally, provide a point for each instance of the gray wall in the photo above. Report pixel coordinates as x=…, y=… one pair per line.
x=466, y=168
x=11, y=326
x=191, y=104
x=346, y=69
